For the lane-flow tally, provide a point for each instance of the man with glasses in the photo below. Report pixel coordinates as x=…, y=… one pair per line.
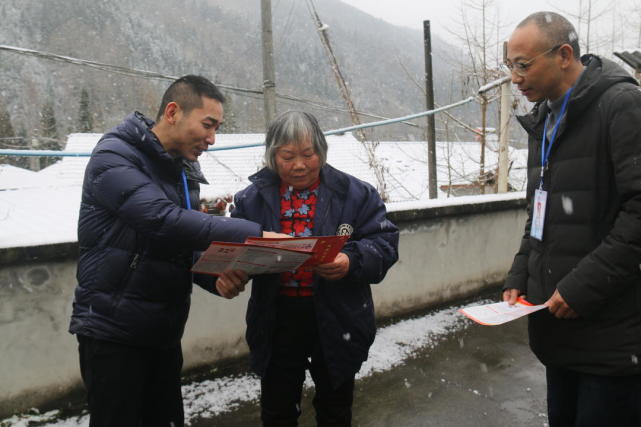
x=581, y=251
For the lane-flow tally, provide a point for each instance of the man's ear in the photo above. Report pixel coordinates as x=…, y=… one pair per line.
x=172, y=113
x=567, y=54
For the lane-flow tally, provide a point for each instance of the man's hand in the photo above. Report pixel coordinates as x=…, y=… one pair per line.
x=511, y=295
x=231, y=282
x=334, y=270
x=274, y=235
x=559, y=308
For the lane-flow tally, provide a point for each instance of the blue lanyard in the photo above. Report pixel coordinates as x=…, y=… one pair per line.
x=545, y=154
x=186, y=190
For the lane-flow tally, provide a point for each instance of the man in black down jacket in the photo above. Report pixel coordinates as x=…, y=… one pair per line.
x=584, y=163
x=139, y=225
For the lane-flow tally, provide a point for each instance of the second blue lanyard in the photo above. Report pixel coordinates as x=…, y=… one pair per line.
x=545, y=154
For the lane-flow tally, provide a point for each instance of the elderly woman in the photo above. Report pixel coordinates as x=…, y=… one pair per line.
x=321, y=320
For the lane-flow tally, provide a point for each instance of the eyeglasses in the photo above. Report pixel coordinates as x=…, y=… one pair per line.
x=520, y=68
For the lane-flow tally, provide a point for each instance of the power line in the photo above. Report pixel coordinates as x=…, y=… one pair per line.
x=133, y=72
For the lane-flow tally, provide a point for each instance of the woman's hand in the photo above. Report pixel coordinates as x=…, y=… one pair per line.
x=334, y=270
x=274, y=235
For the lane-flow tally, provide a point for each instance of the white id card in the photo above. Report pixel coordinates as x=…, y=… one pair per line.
x=538, y=214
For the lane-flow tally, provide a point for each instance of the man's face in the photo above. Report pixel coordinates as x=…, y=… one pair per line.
x=534, y=64
x=298, y=164
x=195, y=131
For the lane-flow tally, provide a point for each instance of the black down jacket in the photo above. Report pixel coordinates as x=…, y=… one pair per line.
x=137, y=240
x=344, y=308
x=591, y=247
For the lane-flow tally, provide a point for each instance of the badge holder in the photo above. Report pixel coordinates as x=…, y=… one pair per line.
x=540, y=195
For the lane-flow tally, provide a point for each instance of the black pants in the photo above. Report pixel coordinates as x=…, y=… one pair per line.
x=583, y=400
x=297, y=348
x=131, y=386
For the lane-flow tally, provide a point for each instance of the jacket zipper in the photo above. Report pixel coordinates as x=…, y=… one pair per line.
x=118, y=295
x=134, y=263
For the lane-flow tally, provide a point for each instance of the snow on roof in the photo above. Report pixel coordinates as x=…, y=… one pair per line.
x=42, y=208
x=12, y=177
x=39, y=216
x=452, y=201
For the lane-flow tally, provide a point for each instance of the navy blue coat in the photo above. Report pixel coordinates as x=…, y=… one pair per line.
x=344, y=308
x=137, y=240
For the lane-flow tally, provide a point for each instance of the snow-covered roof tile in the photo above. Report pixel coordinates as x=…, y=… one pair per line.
x=12, y=177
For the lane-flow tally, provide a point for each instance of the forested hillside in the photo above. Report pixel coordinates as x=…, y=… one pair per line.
x=219, y=39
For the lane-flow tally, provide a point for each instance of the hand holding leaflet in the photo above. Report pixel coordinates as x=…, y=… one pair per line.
x=268, y=255
x=500, y=312
x=252, y=259
x=324, y=248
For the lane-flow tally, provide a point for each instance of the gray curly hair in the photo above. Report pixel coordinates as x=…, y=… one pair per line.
x=294, y=127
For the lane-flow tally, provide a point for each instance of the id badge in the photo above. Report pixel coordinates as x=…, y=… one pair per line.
x=538, y=214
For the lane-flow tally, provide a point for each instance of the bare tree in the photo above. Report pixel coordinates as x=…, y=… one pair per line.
x=588, y=17
x=370, y=146
x=479, y=25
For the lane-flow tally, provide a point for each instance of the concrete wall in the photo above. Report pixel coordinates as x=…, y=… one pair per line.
x=446, y=253
x=443, y=258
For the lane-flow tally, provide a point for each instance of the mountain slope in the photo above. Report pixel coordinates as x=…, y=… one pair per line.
x=219, y=39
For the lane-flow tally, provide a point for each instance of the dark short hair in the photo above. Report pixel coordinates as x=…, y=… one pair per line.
x=187, y=92
x=294, y=127
x=556, y=28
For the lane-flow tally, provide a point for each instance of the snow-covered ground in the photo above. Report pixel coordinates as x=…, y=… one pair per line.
x=393, y=345
x=42, y=208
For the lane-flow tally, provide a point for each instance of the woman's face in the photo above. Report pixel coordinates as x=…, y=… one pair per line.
x=298, y=164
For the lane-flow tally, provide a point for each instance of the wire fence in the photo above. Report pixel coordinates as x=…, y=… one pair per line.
x=246, y=91
x=53, y=153
x=253, y=93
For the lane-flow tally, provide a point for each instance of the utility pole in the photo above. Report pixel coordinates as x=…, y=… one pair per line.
x=269, y=81
x=429, y=103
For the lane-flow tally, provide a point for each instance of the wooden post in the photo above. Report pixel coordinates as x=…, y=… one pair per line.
x=506, y=103
x=429, y=103
x=34, y=162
